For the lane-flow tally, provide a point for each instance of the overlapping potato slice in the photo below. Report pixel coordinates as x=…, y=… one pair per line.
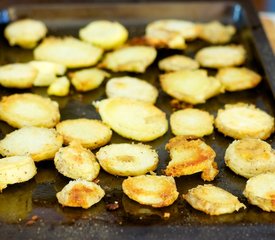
x=216, y=33
x=17, y=75
x=80, y=193
x=68, y=51
x=130, y=87
x=59, y=87
x=212, y=200
x=192, y=86
x=250, y=157
x=191, y=122
x=39, y=143
x=88, y=79
x=27, y=109
x=127, y=159
x=104, y=34
x=25, y=33
x=242, y=120
x=260, y=191
x=177, y=63
x=16, y=169
x=236, y=79
x=90, y=133
x=133, y=119
x=221, y=56
x=129, y=59
x=156, y=191
x=189, y=157
x=77, y=162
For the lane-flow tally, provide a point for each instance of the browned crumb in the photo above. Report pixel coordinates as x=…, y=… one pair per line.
x=112, y=206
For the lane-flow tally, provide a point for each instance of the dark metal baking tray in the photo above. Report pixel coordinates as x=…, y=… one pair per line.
x=18, y=203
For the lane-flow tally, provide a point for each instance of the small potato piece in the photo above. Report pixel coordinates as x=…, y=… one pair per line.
x=221, y=56
x=191, y=122
x=237, y=79
x=127, y=159
x=39, y=143
x=129, y=59
x=17, y=75
x=242, y=120
x=212, y=200
x=76, y=162
x=177, y=63
x=16, y=169
x=68, y=51
x=156, y=191
x=27, y=109
x=80, y=193
x=130, y=87
x=189, y=157
x=250, y=157
x=192, y=86
x=216, y=33
x=88, y=79
x=104, y=34
x=25, y=33
x=59, y=87
x=90, y=133
x=133, y=119
x=260, y=191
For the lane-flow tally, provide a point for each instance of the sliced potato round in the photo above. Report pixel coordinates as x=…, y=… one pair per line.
x=250, y=157
x=244, y=121
x=80, y=193
x=77, y=162
x=177, y=63
x=90, y=133
x=130, y=59
x=221, y=56
x=192, y=86
x=25, y=33
x=88, y=79
x=17, y=75
x=191, y=122
x=237, y=79
x=133, y=119
x=68, y=51
x=212, y=200
x=130, y=87
x=127, y=159
x=59, y=87
x=16, y=169
x=189, y=157
x=156, y=191
x=104, y=34
x=39, y=143
x=20, y=110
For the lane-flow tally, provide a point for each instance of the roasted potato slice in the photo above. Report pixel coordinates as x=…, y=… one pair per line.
x=39, y=143
x=189, y=157
x=80, y=193
x=156, y=191
x=191, y=122
x=68, y=51
x=212, y=200
x=59, y=87
x=242, y=120
x=27, y=109
x=126, y=159
x=90, y=133
x=129, y=59
x=221, y=56
x=133, y=119
x=192, y=86
x=130, y=87
x=104, y=34
x=25, y=33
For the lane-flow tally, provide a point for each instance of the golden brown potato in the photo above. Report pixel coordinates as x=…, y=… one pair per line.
x=59, y=87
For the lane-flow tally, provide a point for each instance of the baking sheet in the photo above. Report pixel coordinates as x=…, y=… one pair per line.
x=19, y=203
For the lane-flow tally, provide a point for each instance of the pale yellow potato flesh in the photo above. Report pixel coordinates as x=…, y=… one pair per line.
x=59, y=87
